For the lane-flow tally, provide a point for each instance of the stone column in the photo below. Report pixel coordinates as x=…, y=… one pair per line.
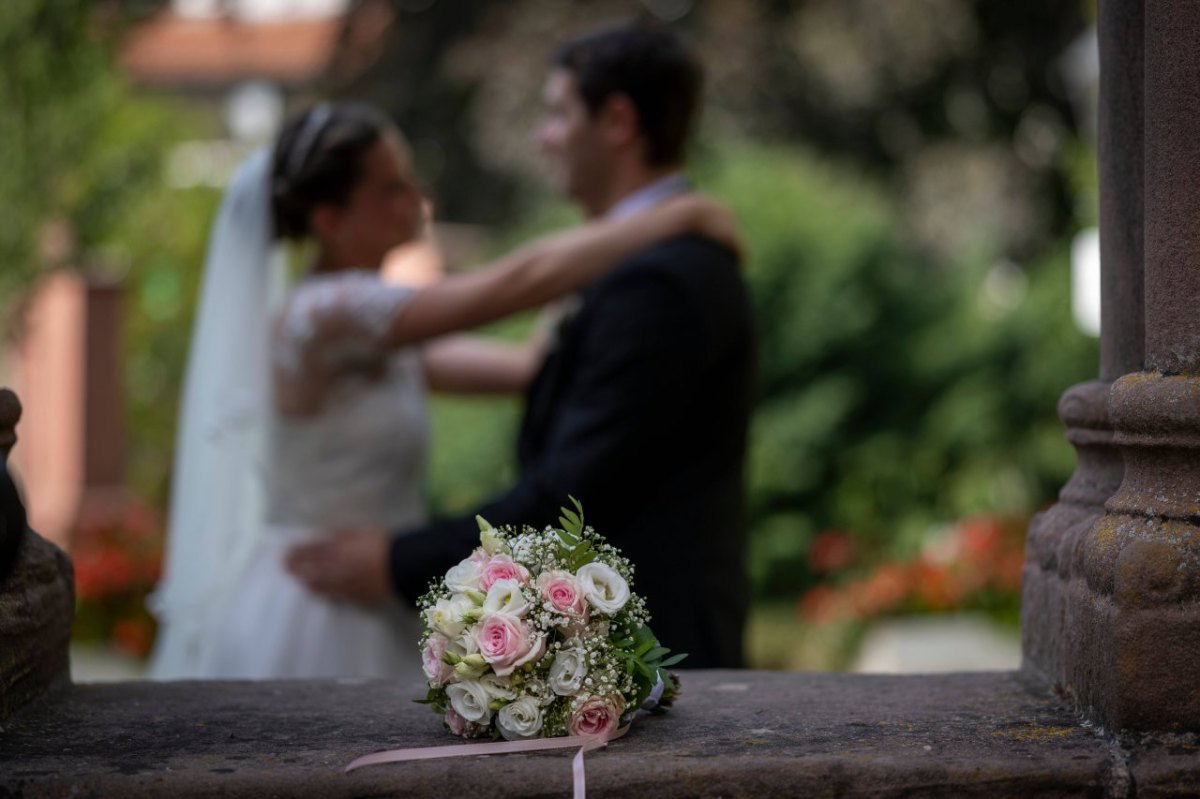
x=37, y=596
x=1054, y=552
x=1135, y=660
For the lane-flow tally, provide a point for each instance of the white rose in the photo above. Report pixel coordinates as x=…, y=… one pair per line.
x=447, y=616
x=520, y=719
x=465, y=576
x=534, y=687
x=567, y=672
x=605, y=590
x=498, y=687
x=463, y=644
x=469, y=699
x=505, y=597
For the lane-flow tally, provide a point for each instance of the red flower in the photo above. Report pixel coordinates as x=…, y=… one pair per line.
x=981, y=537
x=133, y=636
x=831, y=551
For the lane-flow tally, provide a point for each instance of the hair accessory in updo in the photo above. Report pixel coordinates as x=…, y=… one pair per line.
x=318, y=160
x=314, y=124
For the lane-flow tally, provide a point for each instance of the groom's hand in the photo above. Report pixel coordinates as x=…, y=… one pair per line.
x=351, y=565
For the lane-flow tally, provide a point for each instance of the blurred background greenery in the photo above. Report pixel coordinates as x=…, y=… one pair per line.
x=910, y=176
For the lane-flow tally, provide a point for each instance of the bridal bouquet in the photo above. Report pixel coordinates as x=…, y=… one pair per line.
x=538, y=634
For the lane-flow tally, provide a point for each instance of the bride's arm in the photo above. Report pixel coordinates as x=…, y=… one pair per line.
x=550, y=267
x=471, y=364
x=466, y=364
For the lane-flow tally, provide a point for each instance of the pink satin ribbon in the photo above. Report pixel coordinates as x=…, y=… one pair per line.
x=585, y=743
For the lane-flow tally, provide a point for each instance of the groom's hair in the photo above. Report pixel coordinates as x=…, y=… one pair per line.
x=651, y=66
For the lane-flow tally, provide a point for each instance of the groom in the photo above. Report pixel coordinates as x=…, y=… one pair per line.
x=641, y=409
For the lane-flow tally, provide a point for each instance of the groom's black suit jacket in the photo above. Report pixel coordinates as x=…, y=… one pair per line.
x=641, y=413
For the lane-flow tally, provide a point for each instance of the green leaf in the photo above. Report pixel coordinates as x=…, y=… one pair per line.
x=671, y=661
x=434, y=696
x=644, y=681
x=644, y=647
x=643, y=635
x=571, y=521
x=655, y=654
x=582, y=557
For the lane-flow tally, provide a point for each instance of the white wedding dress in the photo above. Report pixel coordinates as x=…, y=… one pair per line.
x=250, y=483
x=360, y=460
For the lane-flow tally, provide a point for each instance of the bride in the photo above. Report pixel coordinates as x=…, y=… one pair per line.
x=305, y=410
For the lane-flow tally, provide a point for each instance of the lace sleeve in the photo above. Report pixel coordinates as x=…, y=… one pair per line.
x=332, y=326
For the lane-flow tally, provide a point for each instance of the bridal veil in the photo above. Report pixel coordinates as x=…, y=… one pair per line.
x=218, y=492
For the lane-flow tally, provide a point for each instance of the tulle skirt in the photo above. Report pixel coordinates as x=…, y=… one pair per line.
x=274, y=627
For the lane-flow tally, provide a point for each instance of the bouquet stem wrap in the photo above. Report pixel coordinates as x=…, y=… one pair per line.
x=586, y=743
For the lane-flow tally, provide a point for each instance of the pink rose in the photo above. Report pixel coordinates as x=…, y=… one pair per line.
x=437, y=670
x=563, y=592
x=502, y=567
x=455, y=722
x=597, y=715
x=478, y=555
x=461, y=727
x=506, y=643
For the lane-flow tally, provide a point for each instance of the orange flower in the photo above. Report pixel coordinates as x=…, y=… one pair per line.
x=819, y=605
x=886, y=588
x=936, y=586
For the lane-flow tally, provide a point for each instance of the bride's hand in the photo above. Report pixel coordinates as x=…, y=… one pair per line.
x=706, y=217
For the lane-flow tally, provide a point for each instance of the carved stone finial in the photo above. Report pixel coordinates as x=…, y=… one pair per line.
x=10, y=414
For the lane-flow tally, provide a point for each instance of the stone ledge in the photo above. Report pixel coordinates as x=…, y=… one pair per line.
x=733, y=734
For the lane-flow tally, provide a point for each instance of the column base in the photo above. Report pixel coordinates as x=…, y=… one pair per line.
x=1131, y=623
x=1053, y=552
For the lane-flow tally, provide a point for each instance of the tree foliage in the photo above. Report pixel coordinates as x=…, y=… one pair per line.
x=82, y=154
x=56, y=89
x=897, y=393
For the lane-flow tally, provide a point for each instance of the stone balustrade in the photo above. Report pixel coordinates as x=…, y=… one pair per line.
x=732, y=734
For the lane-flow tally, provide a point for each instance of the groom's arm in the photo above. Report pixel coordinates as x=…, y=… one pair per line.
x=642, y=343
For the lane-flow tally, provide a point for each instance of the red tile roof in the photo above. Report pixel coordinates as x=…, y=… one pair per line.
x=169, y=50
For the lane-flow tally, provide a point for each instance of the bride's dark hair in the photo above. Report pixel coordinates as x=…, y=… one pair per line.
x=318, y=160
